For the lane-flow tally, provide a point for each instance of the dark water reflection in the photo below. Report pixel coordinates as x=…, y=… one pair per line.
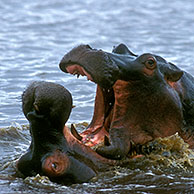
x=34, y=35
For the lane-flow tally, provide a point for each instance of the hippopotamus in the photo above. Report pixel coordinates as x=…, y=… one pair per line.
x=138, y=98
x=54, y=151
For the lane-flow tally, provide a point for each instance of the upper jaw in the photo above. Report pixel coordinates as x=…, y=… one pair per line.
x=74, y=62
x=74, y=57
x=97, y=65
x=78, y=70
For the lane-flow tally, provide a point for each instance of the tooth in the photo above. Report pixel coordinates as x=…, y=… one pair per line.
x=36, y=107
x=108, y=90
x=75, y=133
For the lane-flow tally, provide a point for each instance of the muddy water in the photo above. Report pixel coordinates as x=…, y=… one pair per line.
x=34, y=35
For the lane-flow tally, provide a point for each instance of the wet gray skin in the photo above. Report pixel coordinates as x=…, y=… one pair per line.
x=54, y=152
x=149, y=77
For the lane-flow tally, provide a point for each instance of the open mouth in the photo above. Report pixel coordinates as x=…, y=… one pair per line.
x=107, y=113
x=78, y=70
x=98, y=130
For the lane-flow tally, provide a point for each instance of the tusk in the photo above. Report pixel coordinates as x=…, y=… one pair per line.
x=75, y=133
x=36, y=107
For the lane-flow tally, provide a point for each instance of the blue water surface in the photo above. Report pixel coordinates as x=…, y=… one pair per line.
x=34, y=36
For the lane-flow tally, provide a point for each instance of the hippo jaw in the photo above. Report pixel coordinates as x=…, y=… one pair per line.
x=139, y=76
x=72, y=161
x=104, y=69
x=54, y=151
x=58, y=164
x=57, y=155
x=95, y=64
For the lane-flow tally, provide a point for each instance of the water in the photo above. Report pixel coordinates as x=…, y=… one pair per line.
x=34, y=36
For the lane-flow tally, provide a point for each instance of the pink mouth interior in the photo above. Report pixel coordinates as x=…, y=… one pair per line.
x=78, y=70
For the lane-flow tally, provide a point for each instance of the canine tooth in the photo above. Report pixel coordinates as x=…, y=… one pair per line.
x=75, y=133
x=36, y=107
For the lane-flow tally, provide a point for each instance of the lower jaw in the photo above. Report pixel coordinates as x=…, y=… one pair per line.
x=99, y=127
x=95, y=140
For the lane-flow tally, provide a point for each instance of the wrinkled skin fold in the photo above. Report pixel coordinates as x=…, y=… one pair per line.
x=138, y=98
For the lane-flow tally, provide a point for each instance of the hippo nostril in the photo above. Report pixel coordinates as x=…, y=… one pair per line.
x=150, y=63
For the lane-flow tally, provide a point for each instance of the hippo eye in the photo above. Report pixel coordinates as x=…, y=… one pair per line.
x=54, y=165
x=150, y=63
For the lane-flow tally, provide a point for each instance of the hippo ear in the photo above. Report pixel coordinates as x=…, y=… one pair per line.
x=173, y=75
x=122, y=49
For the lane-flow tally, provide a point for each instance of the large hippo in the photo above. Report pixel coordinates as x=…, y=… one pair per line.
x=54, y=151
x=138, y=98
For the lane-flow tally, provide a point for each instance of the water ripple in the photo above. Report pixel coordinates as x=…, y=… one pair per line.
x=35, y=35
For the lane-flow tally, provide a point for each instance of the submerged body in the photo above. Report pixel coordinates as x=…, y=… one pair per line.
x=138, y=98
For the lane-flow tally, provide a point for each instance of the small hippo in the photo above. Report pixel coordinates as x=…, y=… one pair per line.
x=54, y=151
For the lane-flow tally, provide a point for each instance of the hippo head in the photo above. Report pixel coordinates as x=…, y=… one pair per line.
x=105, y=68
x=95, y=64
x=136, y=99
x=54, y=151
